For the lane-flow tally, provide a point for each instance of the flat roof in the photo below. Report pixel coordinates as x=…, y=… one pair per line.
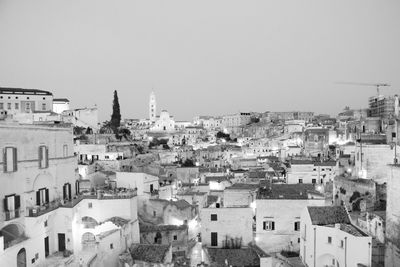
x=21, y=91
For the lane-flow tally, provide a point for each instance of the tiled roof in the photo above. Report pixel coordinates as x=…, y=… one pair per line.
x=285, y=191
x=211, y=199
x=328, y=215
x=161, y=228
x=326, y=163
x=234, y=257
x=349, y=228
x=117, y=221
x=257, y=174
x=216, y=178
x=149, y=253
x=239, y=186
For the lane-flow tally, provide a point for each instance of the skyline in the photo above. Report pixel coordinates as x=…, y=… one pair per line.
x=262, y=56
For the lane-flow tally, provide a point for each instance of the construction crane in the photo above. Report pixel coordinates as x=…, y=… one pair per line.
x=377, y=85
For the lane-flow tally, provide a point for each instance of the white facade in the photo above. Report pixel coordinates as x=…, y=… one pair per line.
x=278, y=221
x=41, y=211
x=164, y=123
x=82, y=117
x=16, y=100
x=333, y=245
x=145, y=183
x=60, y=105
x=311, y=173
x=221, y=224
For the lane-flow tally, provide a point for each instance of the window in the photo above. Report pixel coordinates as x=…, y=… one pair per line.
x=297, y=226
x=111, y=246
x=43, y=157
x=10, y=159
x=341, y=243
x=154, y=213
x=322, y=169
x=8, y=105
x=214, y=217
x=90, y=205
x=65, y=151
x=27, y=106
x=298, y=240
x=269, y=225
x=1, y=106
x=45, y=223
x=42, y=196
x=44, y=106
x=175, y=237
x=300, y=181
x=314, y=181
x=329, y=240
x=11, y=206
x=16, y=105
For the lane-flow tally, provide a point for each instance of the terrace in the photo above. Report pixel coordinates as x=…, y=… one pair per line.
x=101, y=194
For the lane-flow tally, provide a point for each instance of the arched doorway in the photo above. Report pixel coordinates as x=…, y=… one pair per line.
x=89, y=222
x=88, y=241
x=158, y=238
x=12, y=234
x=21, y=258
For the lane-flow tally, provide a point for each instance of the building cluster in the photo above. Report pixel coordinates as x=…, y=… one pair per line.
x=247, y=189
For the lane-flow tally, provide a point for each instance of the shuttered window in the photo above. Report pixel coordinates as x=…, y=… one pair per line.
x=10, y=159
x=43, y=157
x=269, y=225
x=42, y=196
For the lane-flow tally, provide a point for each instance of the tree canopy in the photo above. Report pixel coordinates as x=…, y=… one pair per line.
x=116, y=114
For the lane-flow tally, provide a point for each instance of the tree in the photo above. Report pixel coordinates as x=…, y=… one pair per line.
x=116, y=114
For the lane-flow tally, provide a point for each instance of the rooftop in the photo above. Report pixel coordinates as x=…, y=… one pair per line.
x=285, y=191
x=328, y=215
x=60, y=100
x=240, y=186
x=234, y=257
x=350, y=229
x=164, y=227
x=149, y=253
x=21, y=91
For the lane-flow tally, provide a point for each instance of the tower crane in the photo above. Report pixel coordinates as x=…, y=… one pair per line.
x=377, y=85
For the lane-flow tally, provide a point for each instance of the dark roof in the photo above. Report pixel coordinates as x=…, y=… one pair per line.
x=149, y=253
x=235, y=257
x=349, y=228
x=21, y=91
x=211, y=199
x=257, y=174
x=117, y=221
x=60, y=100
x=239, y=186
x=216, y=178
x=328, y=215
x=301, y=161
x=161, y=228
x=325, y=163
x=285, y=191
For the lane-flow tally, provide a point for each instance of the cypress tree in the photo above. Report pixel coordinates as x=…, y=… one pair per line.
x=116, y=114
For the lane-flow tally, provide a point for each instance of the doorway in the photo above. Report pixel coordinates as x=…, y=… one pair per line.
x=61, y=242
x=46, y=246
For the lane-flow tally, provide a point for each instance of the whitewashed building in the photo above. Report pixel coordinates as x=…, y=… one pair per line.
x=329, y=239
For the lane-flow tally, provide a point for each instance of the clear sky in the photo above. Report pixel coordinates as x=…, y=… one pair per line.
x=202, y=57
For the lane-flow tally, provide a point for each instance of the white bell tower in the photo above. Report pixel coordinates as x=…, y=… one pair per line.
x=152, y=107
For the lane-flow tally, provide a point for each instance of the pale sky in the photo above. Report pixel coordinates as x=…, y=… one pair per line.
x=202, y=57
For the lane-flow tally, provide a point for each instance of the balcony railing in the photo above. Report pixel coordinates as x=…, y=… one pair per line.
x=9, y=215
x=99, y=194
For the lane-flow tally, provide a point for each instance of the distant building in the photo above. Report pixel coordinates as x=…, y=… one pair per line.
x=60, y=105
x=329, y=239
x=152, y=107
x=147, y=255
x=82, y=117
x=235, y=120
x=382, y=106
x=163, y=123
x=18, y=100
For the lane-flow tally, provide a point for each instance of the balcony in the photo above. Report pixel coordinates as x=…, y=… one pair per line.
x=120, y=193
x=12, y=214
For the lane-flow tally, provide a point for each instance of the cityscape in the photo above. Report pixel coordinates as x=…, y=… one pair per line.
x=247, y=189
x=175, y=133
